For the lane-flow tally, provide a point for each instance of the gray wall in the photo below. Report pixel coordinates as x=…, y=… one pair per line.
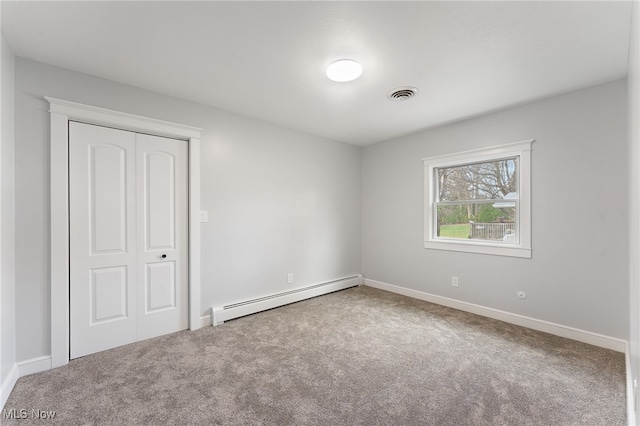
x=578, y=274
x=7, y=248
x=634, y=193
x=279, y=201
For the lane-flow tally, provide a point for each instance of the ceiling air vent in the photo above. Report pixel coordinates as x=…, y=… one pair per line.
x=402, y=93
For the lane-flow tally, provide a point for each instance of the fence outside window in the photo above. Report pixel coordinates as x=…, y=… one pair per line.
x=501, y=231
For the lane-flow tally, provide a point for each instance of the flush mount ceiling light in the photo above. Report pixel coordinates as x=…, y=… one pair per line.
x=344, y=70
x=402, y=93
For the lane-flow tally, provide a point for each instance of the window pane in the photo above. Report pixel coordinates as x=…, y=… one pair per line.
x=492, y=180
x=478, y=221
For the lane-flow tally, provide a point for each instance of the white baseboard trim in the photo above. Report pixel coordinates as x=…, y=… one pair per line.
x=7, y=385
x=225, y=313
x=21, y=369
x=528, y=322
x=205, y=321
x=631, y=392
x=34, y=365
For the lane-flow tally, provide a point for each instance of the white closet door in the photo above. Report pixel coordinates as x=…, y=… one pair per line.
x=128, y=237
x=161, y=171
x=102, y=238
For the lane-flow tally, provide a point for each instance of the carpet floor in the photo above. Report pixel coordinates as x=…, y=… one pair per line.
x=361, y=356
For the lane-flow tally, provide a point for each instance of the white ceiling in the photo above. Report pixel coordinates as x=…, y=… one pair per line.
x=267, y=59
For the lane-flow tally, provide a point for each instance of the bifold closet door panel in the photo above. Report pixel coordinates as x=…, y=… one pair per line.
x=162, y=208
x=103, y=250
x=128, y=214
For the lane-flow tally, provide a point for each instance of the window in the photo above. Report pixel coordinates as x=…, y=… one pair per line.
x=480, y=201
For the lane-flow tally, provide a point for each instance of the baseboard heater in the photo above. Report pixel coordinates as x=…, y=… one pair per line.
x=236, y=310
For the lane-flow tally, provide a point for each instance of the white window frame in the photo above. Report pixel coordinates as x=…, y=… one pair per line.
x=521, y=248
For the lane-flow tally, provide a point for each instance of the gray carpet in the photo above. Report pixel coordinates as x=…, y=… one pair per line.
x=359, y=356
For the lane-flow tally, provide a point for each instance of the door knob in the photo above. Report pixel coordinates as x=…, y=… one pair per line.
x=164, y=256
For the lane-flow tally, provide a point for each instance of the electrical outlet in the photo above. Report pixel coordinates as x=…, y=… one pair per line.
x=454, y=281
x=290, y=279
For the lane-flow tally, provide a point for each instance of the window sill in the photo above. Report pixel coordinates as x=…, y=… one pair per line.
x=480, y=248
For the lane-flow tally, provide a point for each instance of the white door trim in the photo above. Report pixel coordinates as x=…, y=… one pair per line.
x=61, y=113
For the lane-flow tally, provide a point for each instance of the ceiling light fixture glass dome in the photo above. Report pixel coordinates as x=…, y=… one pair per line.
x=344, y=70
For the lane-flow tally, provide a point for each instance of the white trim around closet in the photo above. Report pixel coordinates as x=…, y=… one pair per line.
x=61, y=113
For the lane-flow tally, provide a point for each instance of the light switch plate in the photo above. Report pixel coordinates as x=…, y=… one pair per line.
x=204, y=216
